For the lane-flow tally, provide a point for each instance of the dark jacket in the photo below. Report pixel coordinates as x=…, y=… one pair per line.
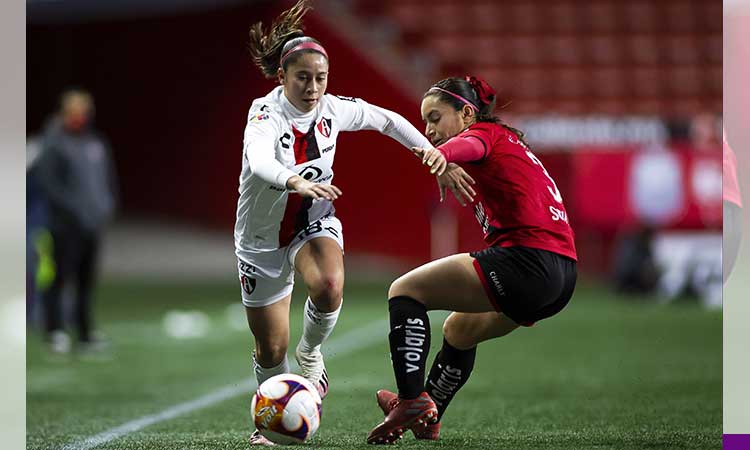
x=77, y=175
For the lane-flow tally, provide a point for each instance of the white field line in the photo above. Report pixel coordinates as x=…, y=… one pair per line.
x=343, y=345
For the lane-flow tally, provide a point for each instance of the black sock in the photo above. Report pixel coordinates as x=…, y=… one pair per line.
x=410, y=343
x=450, y=371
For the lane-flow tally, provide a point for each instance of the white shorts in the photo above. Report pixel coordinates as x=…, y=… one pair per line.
x=259, y=282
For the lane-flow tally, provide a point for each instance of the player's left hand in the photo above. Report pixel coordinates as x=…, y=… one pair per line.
x=433, y=158
x=459, y=182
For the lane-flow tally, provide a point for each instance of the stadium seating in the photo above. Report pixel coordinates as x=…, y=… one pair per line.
x=571, y=56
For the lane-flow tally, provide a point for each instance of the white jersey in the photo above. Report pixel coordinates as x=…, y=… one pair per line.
x=280, y=142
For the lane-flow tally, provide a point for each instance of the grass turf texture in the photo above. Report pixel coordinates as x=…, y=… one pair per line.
x=607, y=373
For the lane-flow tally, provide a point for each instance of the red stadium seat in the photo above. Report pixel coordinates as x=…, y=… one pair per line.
x=684, y=81
x=646, y=82
x=679, y=17
x=714, y=81
x=642, y=50
x=681, y=49
x=608, y=82
x=640, y=17
x=563, y=50
x=603, y=50
x=602, y=16
x=562, y=18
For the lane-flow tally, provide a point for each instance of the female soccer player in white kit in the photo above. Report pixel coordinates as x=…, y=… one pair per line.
x=285, y=216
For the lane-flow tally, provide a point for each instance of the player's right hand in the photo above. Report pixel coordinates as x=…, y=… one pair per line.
x=312, y=190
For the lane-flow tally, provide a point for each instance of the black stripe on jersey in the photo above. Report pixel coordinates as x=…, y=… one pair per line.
x=312, y=150
x=296, y=218
x=305, y=145
x=302, y=220
x=483, y=145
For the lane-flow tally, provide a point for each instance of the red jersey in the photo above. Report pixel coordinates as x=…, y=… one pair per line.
x=731, y=186
x=517, y=202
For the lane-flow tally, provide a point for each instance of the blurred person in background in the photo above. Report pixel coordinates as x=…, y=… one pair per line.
x=40, y=265
x=285, y=215
x=635, y=269
x=732, y=199
x=76, y=173
x=704, y=133
x=526, y=273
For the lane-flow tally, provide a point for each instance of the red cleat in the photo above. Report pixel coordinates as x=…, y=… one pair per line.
x=427, y=431
x=403, y=414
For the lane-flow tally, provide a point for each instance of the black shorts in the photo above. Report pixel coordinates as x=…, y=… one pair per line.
x=526, y=284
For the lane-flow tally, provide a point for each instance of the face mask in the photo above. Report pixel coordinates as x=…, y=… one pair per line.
x=76, y=123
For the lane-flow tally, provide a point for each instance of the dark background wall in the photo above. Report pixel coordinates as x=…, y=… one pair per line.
x=172, y=95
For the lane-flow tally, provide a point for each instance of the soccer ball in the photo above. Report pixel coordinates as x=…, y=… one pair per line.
x=286, y=409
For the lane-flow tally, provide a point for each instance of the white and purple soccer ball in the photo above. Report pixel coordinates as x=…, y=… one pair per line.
x=286, y=409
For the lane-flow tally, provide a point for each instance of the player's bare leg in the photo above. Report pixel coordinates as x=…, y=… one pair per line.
x=450, y=283
x=320, y=262
x=465, y=331
x=270, y=327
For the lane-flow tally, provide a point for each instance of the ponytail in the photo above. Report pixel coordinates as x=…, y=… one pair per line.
x=286, y=32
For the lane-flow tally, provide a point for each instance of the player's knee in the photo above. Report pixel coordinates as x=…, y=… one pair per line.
x=326, y=292
x=402, y=287
x=459, y=332
x=450, y=327
x=270, y=354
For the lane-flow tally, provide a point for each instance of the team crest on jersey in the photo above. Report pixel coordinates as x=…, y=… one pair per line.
x=324, y=127
x=248, y=284
x=259, y=117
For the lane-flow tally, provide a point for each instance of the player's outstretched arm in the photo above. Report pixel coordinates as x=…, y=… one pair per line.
x=312, y=190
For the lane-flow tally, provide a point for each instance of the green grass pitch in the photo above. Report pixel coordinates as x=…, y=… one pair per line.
x=606, y=373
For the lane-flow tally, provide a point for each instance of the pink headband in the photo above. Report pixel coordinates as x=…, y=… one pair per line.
x=473, y=106
x=304, y=46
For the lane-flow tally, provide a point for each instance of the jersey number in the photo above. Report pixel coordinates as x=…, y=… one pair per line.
x=316, y=227
x=552, y=190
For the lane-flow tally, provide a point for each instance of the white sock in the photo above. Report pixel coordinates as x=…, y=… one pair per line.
x=262, y=374
x=317, y=326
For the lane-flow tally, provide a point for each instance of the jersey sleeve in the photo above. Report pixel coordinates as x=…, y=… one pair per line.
x=463, y=149
x=355, y=114
x=259, y=147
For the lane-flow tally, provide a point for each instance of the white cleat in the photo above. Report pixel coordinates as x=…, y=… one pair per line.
x=258, y=439
x=60, y=342
x=313, y=368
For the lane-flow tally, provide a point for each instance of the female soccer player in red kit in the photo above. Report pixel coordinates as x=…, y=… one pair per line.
x=527, y=272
